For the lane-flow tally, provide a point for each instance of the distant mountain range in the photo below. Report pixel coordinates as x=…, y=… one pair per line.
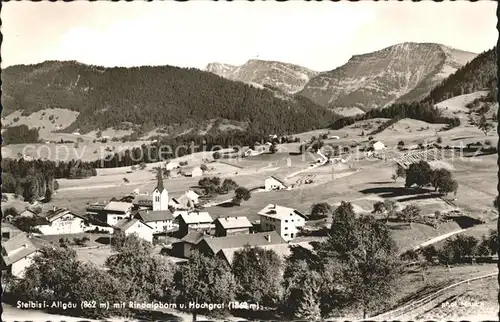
x=403, y=72
x=269, y=97
x=288, y=78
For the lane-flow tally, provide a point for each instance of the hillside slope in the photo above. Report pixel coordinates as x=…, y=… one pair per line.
x=288, y=78
x=152, y=97
x=403, y=72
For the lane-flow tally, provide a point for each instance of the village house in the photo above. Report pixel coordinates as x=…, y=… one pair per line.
x=225, y=247
x=285, y=221
x=115, y=211
x=196, y=172
x=274, y=183
x=194, y=221
x=172, y=165
x=187, y=243
x=229, y=226
x=18, y=253
x=143, y=201
x=189, y=200
x=61, y=221
x=29, y=213
x=135, y=226
x=9, y=231
x=377, y=146
x=160, y=220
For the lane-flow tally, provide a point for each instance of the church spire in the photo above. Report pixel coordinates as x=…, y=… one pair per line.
x=159, y=186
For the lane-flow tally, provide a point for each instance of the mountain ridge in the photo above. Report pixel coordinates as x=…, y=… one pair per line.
x=402, y=72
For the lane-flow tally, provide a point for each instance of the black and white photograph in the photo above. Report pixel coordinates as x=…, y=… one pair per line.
x=249, y=161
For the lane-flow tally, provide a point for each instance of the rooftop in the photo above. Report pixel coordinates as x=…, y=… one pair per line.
x=19, y=247
x=126, y=223
x=278, y=179
x=239, y=241
x=279, y=212
x=234, y=222
x=118, y=206
x=196, y=217
x=152, y=216
x=193, y=237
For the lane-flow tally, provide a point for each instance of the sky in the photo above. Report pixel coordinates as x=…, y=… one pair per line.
x=317, y=35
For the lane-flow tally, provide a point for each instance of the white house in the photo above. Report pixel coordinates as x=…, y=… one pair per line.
x=377, y=146
x=61, y=221
x=115, y=211
x=274, y=183
x=196, y=172
x=135, y=226
x=18, y=253
x=160, y=220
x=172, y=165
x=285, y=221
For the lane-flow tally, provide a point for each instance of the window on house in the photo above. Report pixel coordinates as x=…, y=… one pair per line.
x=286, y=228
x=286, y=235
x=286, y=220
x=291, y=235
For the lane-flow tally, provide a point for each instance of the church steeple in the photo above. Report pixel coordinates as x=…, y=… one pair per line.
x=159, y=185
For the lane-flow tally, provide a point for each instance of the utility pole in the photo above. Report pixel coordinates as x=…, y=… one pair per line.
x=333, y=171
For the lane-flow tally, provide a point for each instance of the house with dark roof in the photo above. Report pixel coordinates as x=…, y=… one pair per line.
x=225, y=247
x=135, y=226
x=274, y=183
x=194, y=220
x=228, y=226
x=9, y=231
x=285, y=221
x=61, y=221
x=160, y=220
x=18, y=253
x=187, y=243
x=143, y=201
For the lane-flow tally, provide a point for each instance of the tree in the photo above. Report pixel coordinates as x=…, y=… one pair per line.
x=409, y=213
x=365, y=253
x=258, y=275
x=484, y=125
x=48, y=195
x=228, y=185
x=201, y=280
x=203, y=167
x=386, y=207
x=441, y=178
x=125, y=180
x=320, y=210
x=241, y=193
x=273, y=148
x=419, y=173
x=400, y=173
x=145, y=277
x=308, y=307
x=10, y=212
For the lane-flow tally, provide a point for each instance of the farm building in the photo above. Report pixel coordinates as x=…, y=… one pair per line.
x=18, y=252
x=143, y=201
x=274, y=183
x=377, y=146
x=185, y=202
x=160, y=220
x=196, y=172
x=225, y=247
x=9, y=231
x=61, y=221
x=285, y=221
x=229, y=226
x=187, y=243
x=135, y=226
x=172, y=165
x=197, y=221
x=30, y=213
x=115, y=211
x=94, y=209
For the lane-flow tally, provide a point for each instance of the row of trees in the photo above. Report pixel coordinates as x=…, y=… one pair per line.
x=20, y=134
x=142, y=96
x=355, y=268
x=36, y=179
x=421, y=174
x=459, y=249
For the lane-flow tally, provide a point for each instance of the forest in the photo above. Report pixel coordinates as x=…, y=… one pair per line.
x=20, y=134
x=154, y=97
x=36, y=179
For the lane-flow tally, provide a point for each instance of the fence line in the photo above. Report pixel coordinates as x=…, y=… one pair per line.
x=413, y=305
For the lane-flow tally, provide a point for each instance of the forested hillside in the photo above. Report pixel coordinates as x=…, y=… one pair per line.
x=477, y=75
x=153, y=97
